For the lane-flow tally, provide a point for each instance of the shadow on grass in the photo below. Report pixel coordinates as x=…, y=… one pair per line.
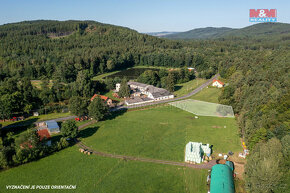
x=89, y=131
x=176, y=88
x=115, y=114
x=19, y=126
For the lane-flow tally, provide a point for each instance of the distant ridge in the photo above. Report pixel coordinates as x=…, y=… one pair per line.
x=160, y=34
x=256, y=30
x=199, y=33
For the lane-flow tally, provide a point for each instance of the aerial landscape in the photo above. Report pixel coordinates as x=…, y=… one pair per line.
x=123, y=96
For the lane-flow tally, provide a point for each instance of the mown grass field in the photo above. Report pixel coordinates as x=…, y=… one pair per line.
x=103, y=76
x=187, y=87
x=162, y=133
x=208, y=94
x=99, y=174
x=159, y=133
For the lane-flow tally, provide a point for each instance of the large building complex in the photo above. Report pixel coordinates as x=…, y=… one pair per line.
x=143, y=93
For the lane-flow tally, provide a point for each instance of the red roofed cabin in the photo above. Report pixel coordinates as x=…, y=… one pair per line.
x=217, y=83
x=107, y=100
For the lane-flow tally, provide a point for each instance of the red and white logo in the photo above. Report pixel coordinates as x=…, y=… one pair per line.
x=263, y=15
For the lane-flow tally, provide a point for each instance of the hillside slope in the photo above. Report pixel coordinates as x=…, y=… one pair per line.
x=260, y=30
x=199, y=33
x=60, y=49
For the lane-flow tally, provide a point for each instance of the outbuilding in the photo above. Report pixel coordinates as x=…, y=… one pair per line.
x=51, y=126
x=217, y=83
x=222, y=180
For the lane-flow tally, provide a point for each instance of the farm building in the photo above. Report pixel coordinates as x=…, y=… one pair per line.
x=194, y=152
x=222, y=179
x=217, y=83
x=152, y=93
x=107, y=100
x=51, y=126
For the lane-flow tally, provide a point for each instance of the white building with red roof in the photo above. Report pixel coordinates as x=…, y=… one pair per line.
x=217, y=83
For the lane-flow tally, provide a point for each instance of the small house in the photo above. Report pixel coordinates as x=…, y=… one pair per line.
x=51, y=126
x=35, y=114
x=106, y=99
x=217, y=83
x=118, y=86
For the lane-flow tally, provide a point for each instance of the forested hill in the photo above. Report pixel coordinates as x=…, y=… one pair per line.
x=261, y=31
x=59, y=49
x=73, y=52
x=199, y=33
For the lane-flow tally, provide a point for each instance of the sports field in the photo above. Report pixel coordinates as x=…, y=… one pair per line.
x=204, y=108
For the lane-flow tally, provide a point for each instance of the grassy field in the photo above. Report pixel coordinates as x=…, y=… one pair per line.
x=159, y=133
x=102, y=76
x=99, y=174
x=185, y=88
x=162, y=133
x=208, y=94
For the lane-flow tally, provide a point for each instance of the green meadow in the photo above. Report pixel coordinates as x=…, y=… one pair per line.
x=162, y=133
x=102, y=175
x=158, y=133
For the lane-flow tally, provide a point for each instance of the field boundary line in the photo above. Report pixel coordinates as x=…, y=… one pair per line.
x=148, y=160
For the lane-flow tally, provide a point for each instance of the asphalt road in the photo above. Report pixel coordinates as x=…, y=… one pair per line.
x=170, y=100
x=148, y=104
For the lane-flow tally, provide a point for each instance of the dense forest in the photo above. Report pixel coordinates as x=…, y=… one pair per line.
x=71, y=52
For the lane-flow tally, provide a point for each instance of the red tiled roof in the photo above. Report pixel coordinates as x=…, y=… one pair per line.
x=43, y=133
x=218, y=81
x=101, y=96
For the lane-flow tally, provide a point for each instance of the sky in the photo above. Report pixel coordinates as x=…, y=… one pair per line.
x=144, y=15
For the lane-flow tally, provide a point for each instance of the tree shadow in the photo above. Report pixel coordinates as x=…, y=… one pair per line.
x=176, y=88
x=55, y=138
x=89, y=131
x=115, y=114
x=18, y=127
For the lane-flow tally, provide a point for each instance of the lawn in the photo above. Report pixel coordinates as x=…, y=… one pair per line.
x=187, y=87
x=162, y=133
x=208, y=94
x=101, y=76
x=99, y=174
x=159, y=133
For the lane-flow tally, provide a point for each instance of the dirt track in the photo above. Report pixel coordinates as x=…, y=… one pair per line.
x=124, y=157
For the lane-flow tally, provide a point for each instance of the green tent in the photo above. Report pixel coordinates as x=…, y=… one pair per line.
x=222, y=179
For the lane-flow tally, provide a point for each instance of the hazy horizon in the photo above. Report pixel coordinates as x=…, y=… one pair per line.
x=143, y=16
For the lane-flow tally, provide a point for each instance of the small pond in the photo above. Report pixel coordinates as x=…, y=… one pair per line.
x=131, y=73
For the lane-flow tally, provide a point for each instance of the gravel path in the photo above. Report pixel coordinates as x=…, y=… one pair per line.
x=170, y=100
x=124, y=157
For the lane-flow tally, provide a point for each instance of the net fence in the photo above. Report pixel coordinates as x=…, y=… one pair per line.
x=204, y=108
